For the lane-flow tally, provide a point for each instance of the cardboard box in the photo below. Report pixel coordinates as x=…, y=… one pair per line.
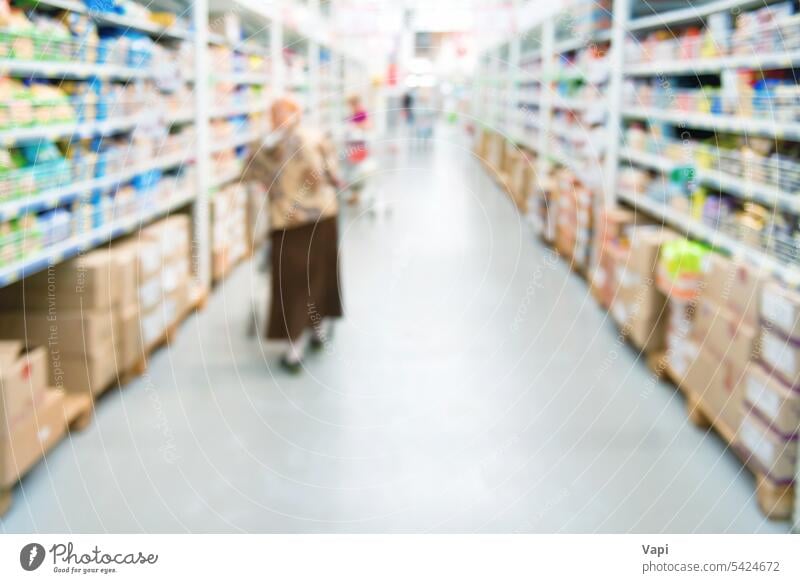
x=125, y=274
x=769, y=452
x=521, y=179
x=28, y=439
x=66, y=331
x=172, y=234
x=780, y=307
x=729, y=337
x=701, y=376
x=611, y=224
x=782, y=356
x=640, y=311
x=745, y=291
x=773, y=401
x=129, y=344
x=23, y=379
x=713, y=381
x=148, y=256
x=645, y=247
x=716, y=279
x=86, y=373
x=82, y=282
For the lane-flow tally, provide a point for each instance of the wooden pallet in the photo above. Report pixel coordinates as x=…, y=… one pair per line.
x=197, y=301
x=776, y=501
x=78, y=412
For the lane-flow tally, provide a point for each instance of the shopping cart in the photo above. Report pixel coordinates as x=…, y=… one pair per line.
x=360, y=166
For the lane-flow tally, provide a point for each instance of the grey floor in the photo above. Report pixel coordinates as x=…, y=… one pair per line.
x=473, y=386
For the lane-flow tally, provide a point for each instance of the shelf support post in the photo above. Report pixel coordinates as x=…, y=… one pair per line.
x=201, y=248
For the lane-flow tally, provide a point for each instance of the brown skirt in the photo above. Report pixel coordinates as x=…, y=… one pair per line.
x=305, y=278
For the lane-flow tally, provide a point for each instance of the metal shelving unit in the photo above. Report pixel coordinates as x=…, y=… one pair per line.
x=767, y=126
x=301, y=19
x=619, y=153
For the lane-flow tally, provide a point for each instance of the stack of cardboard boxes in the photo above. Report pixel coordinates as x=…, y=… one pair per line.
x=71, y=309
x=545, y=206
x=711, y=362
x=610, y=232
x=31, y=414
x=496, y=152
x=163, y=272
x=574, y=219
x=771, y=389
x=520, y=177
x=228, y=229
x=637, y=306
x=483, y=144
x=89, y=311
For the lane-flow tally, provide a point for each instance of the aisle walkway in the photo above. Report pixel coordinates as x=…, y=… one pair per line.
x=474, y=386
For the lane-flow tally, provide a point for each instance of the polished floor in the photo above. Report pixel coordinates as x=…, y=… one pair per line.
x=474, y=386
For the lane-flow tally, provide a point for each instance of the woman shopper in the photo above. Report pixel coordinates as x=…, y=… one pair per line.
x=358, y=155
x=299, y=168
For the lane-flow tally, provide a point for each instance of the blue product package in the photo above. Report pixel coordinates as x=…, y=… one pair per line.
x=102, y=109
x=146, y=181
x=140, y=50
x=101, y=166
x=103, y=6
x=716, y=104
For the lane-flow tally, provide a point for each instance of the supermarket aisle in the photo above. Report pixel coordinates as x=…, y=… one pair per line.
x=475, y=386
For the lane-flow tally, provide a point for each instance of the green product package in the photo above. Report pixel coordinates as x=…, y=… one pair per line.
x=683, y=257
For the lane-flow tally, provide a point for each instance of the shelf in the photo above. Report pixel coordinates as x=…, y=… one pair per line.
x=690, y=227
x=235, y=142
x=722, y=123
x=244, y=47
x=648, y=160
x=748, y=190
x=76, y=245
x=569, y=162
x=714, y=65
x=69, y=70
x=237, y=110
x=62, y=195
x=225, y=177
x=111, y=19
x=734, y=185
x=80, y=130
x=572, y=44
x=692, y=14
x=569, y=103
x=61, y=130
x=244, y=78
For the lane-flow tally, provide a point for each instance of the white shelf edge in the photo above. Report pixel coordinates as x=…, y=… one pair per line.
x=735, y=185
x=688, y=226
x=725, y=123
x=49, y=199
x=86, y=241
x=713, y=64
x=71, y=69
x=691, y=14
